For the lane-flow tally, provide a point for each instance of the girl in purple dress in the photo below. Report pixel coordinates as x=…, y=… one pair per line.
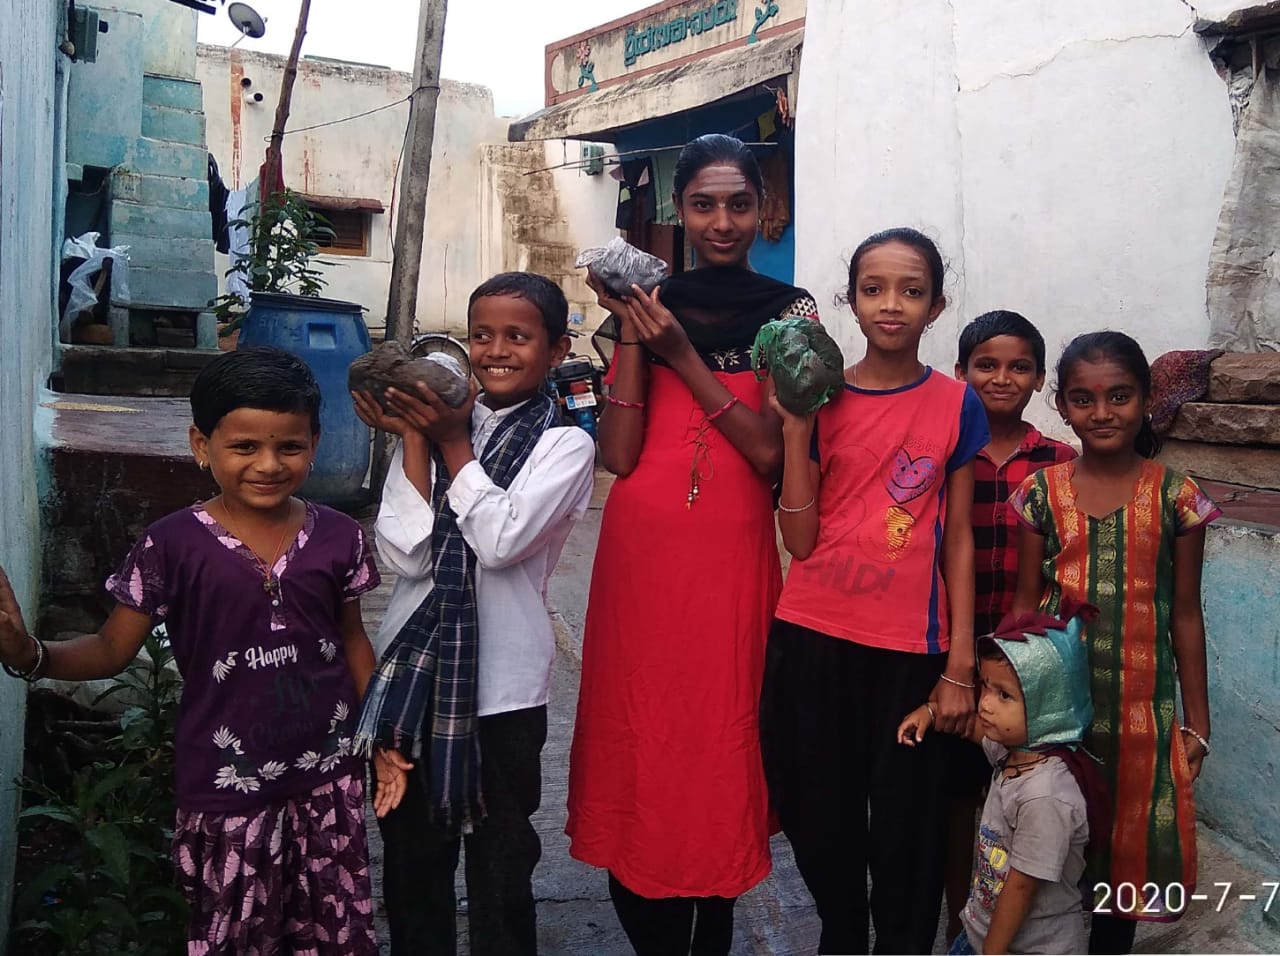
x=260, y=595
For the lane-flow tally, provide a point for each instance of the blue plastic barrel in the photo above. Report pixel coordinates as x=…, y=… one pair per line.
x=328, y=335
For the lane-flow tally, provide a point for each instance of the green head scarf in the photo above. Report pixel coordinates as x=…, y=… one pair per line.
x=1051, y=659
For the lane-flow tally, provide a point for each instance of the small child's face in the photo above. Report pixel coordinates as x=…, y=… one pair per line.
x=511, y=353
x=1002, y=712
x=1002, y=370
x=258, y=457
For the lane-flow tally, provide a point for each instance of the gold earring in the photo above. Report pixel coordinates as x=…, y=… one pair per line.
x=204, y=465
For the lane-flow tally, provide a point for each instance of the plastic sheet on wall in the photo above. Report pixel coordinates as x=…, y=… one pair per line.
x=1243, y=282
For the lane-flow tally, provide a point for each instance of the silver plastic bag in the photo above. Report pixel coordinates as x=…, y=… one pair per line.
x=620, y=265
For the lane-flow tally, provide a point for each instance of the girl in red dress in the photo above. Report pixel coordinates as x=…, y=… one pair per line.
x=666, y=783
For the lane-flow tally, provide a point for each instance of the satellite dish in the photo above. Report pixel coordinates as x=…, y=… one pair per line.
x=247, y=20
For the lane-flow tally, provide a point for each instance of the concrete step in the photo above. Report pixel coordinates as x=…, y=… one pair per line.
x=188, y=289
x=174, y=192
x=160, y=158
x=161, y=222
x=152, y=252
x=172, y=92
x=173, y=125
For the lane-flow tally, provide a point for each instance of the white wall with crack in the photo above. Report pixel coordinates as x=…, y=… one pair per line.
x=1070, y=160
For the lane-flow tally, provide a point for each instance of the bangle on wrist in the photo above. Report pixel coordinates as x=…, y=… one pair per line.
x=629, y=342
x=933, y=718
x=621, y=404
x=796, y=511
x=957, y=683
x=1203, y=742
x=37, y=669
x=723, y=408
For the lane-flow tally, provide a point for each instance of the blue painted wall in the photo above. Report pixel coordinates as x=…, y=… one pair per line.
x=1237, y=793
x=32, y=102
x=137, y=110
x=737, y=118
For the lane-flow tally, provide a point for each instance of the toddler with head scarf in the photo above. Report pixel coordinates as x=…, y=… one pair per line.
x=1046, y=799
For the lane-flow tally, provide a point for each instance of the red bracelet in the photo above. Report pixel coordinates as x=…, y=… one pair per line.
x=722, y=409
x=621, y=404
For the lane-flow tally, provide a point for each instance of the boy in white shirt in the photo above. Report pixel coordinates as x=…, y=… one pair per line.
x=475, y=511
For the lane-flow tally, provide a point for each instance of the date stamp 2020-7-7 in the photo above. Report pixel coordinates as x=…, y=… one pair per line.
x=1153, y=900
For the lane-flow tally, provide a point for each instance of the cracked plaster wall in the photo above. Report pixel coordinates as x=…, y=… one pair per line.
x=1069, y=160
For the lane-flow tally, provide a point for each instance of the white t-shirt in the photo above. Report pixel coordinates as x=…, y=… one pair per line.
x=1036, y=823
x=517, y=535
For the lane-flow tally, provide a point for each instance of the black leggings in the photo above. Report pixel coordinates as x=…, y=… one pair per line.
x=1111, y=936
x=664, y=927
x=852, y=800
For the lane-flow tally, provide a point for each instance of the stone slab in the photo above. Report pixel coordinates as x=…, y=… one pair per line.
x=171, y=288
x=1258, y=506
x=161, y=222
x=161, y=158
x=166, y=252
x=173, y=125
x=115, y=466
x=172, y=92
x=176, y=192
x=1228, y=424
x=120, y=372
x=1251, y=465
x=1245, y=378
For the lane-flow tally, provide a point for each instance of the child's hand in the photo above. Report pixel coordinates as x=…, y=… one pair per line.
x=370, y=412
x=1195, y=754
x=605, y=298
x=428, y=413
x=955, y=708
x=791, y=422
x=391, y=770
x=656, y=327
x=17, y=648
x=915, y=725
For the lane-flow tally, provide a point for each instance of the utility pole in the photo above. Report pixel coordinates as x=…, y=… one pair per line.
x=272, y=179
x=406, y=262
x=415, y=172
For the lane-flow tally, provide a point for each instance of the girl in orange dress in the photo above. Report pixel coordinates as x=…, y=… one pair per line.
x=1125, y=534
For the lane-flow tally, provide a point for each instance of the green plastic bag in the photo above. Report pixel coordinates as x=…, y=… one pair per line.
x=804, y=360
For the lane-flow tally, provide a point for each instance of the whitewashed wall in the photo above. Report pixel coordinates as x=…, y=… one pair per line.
x=1069, y=160
x=361, y=159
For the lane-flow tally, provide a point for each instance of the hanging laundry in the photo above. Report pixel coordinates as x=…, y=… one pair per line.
x=635, y=194
x=767, y=124
x=218, y=193
x=664, y=185
x=241, y=204
x=775, y=211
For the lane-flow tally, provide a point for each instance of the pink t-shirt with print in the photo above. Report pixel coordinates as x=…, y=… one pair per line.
x=875, y=574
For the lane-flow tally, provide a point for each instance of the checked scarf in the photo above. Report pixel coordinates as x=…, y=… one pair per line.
x=421, y=699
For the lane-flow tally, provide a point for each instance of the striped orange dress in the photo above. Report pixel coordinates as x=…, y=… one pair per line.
x=1123, y=565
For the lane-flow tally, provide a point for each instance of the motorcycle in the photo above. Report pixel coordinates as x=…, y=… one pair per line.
x=577, y=384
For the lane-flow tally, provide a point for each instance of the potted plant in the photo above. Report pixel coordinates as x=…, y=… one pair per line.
x=282, y=257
